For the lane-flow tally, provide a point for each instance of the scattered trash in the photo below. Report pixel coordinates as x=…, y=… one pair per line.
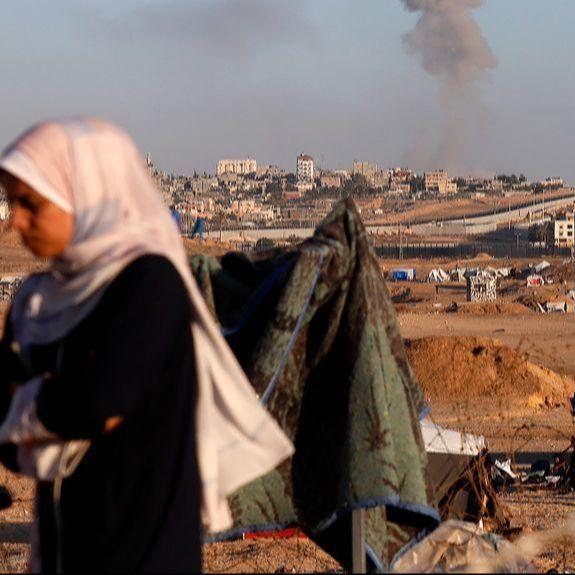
x=505, y=467
x=556, y=307
x=482, y=287
x=458, y=547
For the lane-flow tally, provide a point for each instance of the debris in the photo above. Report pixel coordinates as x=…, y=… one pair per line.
x=505, y=468
x=482, y=287
x=535, y=280
x=556, y=307
x=458, y=547
x=541, y=308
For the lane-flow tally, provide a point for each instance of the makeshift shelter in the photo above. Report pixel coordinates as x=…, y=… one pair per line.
x=404, y=275
x=535, y=280
x=481, y=287
x=438, y=276
x=457, y=275
x=315, y=330
x=541, y=267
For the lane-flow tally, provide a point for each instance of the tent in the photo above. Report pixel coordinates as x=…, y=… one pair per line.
x=404, y=275
x=542, y=266
x=449, y=452
x=438, y=276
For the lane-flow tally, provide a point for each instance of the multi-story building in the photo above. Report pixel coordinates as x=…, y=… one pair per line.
x=553, y=182
x=564, y=232
x=365, y=169
x=304, y=168
x=440, y=182
x=241, y=167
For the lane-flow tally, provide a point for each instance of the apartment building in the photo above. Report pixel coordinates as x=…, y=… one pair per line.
x=564, y=232
x=240, y=167
x=439, y=182
x=304, y=168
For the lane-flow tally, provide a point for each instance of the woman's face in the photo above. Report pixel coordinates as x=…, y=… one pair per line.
x=45, y=229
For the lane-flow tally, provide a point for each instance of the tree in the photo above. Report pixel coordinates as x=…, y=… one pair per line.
x=542, y=233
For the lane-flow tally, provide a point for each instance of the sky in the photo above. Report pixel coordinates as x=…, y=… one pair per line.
x=194, y=81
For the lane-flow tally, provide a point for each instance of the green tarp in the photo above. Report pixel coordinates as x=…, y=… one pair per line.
x=315, y=331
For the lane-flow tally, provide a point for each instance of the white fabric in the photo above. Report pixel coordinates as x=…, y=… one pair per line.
x=21, y=166
x=436, y=439
x=119, y=216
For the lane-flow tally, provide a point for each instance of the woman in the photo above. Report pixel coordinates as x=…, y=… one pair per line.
x=127, y=406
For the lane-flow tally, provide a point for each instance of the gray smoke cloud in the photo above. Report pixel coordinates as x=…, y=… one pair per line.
x=450, y=46
x=449, y=42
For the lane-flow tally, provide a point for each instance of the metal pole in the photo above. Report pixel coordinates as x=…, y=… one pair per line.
x=358, y=563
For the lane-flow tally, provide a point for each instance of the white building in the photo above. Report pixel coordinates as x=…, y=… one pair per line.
x=564, y=232
x=305, y=168
x=242, y=167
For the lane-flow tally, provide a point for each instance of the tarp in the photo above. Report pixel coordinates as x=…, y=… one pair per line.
x=438, y=276
x=458, y=274
x=498, y=272
x=439, y=440
x=315, y=330
x=403, y=275
x=542, y=266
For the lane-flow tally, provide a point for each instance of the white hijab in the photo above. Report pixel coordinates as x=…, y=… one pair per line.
x=93, y=171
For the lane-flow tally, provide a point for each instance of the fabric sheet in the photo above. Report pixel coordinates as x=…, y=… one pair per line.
x=315, y=331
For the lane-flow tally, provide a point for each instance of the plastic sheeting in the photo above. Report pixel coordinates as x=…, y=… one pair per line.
x=439, y=440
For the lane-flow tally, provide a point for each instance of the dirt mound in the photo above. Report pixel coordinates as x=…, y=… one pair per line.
x=491, y=308
x=483, y=257
x=458, y=369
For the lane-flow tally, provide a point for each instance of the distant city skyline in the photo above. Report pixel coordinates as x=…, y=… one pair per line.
x=196, y=81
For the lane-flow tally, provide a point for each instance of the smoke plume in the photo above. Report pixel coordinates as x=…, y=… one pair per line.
x=449, y=43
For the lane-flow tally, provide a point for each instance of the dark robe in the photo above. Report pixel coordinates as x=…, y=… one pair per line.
x=133, y=502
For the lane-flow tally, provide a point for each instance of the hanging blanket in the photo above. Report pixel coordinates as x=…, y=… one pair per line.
x=315, y=331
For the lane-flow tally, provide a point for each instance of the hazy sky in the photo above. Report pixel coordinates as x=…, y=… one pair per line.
x=198, y=80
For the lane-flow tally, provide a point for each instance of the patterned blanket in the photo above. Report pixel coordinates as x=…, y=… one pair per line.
x=316, y=333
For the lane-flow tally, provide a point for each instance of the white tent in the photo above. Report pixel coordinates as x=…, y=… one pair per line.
x=542, y=266
x=438, y=276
